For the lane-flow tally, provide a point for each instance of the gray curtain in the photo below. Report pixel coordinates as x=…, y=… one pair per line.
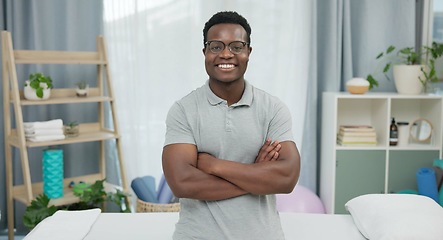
x=52, y=25
x=350, y=34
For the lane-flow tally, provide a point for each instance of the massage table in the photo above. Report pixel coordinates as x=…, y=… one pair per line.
x=160, y=226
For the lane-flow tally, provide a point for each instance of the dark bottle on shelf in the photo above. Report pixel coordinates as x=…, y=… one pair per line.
x=393, y=133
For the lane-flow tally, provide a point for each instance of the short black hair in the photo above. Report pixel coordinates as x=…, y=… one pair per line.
x=226, y=17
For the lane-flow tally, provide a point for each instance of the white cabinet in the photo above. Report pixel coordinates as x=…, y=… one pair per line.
x=350, y=171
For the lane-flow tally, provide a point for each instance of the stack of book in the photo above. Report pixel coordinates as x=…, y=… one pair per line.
x=356, y=135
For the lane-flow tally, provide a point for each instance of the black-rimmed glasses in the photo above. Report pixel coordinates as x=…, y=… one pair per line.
x=217, y=47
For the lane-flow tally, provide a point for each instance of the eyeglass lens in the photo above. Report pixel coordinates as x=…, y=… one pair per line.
x=235, y=47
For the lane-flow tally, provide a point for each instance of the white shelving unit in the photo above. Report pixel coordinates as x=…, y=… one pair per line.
x=350, y=171
x=89, y=132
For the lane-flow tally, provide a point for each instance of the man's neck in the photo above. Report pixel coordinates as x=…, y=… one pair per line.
x=231, y=91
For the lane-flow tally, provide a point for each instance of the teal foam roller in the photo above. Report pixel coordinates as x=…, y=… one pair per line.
x=53, y=173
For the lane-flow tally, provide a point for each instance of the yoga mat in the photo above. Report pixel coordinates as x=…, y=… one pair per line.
x=427, y=184
x=144, y=191
x=53, y=173
x=165, y=194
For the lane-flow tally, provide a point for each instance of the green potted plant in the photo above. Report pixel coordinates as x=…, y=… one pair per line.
x=82, y=89
x=38, y=87
x=90, y=196
x=72, y=129
x=413, y=70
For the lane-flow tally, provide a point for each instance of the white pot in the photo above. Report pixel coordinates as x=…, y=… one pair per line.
x=406, y=78
x=31, y=94
x=82, y=92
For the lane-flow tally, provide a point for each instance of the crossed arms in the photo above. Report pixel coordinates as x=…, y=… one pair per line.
x=202, y=176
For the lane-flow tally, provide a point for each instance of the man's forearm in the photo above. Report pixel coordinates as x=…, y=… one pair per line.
x=266, y=177
x=203, y=186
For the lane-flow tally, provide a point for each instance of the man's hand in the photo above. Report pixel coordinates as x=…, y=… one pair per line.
x=268, y=152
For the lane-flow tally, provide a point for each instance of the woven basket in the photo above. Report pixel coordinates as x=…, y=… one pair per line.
x=143, y=206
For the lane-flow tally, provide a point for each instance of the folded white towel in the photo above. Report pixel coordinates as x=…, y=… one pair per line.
x=66, y=225
x=55, y=123
x=42, y=132
x=46, y=138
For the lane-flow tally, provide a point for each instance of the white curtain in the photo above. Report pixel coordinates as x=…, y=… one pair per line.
x=155, y=52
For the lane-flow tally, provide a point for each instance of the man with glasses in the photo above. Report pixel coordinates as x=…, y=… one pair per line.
x=229, y=146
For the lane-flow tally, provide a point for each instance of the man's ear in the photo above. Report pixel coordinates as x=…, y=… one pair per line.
x=250, y=50
x=204, y=50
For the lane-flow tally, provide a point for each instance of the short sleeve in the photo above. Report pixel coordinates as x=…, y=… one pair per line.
x=178, y=129
x=280, y=126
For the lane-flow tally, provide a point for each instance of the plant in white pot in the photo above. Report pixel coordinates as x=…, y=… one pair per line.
x=413, y=70
x=82, y=89
x=38, y=87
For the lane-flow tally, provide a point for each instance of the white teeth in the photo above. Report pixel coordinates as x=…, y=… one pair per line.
x=226, y=66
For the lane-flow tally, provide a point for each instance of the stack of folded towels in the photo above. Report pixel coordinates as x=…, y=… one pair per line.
x=144, y=188
x=44, y=131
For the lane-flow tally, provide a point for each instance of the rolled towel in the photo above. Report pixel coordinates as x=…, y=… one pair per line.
x=46, y=138
x=55, y=123
x=43, y=132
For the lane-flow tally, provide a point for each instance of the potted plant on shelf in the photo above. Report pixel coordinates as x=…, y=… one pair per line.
x=82, y=89
x=72, y=129
x=38, y=87
x=413, y=70
x=90, y=196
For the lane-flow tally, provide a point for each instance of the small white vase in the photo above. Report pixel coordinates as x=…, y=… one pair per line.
x=406, y=78
x=31, y=93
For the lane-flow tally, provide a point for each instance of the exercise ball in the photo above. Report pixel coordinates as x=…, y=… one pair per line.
x=301, y=200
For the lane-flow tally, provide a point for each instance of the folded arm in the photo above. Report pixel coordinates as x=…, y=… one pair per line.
x=187, y=181
x=262, y=177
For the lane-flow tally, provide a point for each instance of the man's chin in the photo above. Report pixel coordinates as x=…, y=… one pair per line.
x=226, y=80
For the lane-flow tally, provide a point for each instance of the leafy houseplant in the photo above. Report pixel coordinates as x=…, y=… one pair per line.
x=425, y=57
x=90, y=196
x=39, y=83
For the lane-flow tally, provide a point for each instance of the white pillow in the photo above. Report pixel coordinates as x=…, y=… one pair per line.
x=397, y=216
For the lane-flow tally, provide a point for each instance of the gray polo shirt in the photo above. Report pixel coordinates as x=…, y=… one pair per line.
x=233, y=133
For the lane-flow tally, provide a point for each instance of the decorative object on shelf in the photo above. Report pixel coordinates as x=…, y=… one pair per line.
x=403, y=133
x=413, y=70
x=393, y=133
x=72, y=129
x=421, y=131
x=357, y=86
x=38, y=87
x=82, y=89
x=90, y=195
x=53, y=173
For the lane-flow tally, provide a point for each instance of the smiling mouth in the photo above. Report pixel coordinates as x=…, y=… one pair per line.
x=226, y=66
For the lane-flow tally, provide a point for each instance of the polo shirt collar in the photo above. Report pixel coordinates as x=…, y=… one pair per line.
x=246, y=99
